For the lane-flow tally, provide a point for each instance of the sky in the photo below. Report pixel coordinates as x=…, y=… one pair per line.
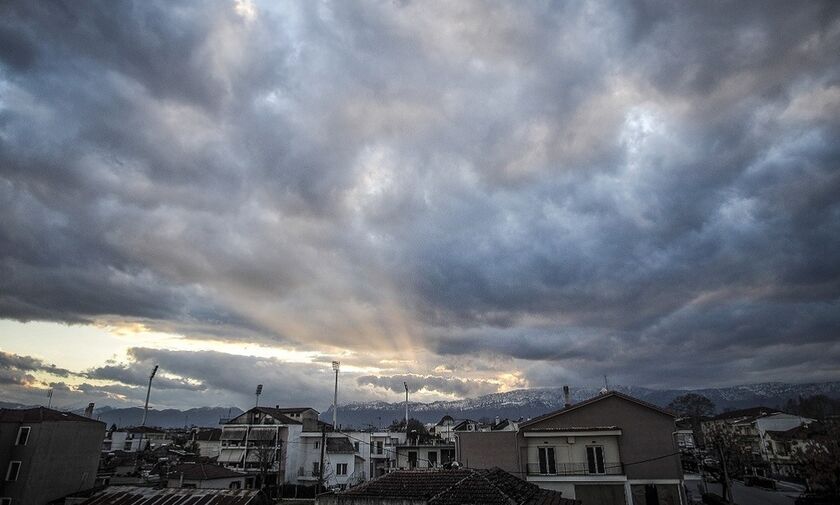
x=471, y=197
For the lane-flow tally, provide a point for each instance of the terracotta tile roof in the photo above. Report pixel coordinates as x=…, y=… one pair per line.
x=340, y=446
x=202, y=471
x=39, y=415
x=278, y=414
x=130, y=495
x=455, y=487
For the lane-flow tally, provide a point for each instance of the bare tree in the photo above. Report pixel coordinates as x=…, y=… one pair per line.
x=820, y=461
x=733, y=454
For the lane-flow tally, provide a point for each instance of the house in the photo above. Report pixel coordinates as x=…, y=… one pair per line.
x=204, y=476
x=447, y=426
x=134, y=439
x=264, y=442
x=46, y=454
x=432, y=453
x=121, y=495
x=446, y=487
x=609, y=449
x=781, y=447
x=344, y=464
x=759, y=432
x=207, y=441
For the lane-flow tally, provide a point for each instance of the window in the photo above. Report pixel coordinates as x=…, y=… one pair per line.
x=379, y=447
x=13, y=471
x=235, y=485
x=432, y=459
x=127, y=446
x=23, y=435
x=5, y=501
x=341, y=469
x=356, y=446
x=317, y=444
x=595, y=459
x=316, y=469
x=548, y=464
x=412, y=459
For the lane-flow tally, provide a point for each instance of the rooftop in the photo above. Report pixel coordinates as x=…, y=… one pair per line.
x=40, y=415
x=124, y=495
x=455, y=487
x=603, y=396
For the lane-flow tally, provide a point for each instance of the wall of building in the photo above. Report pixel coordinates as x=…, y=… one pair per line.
x=572, y=449
x=646, y=434
x=487, y=449
x=59, y=458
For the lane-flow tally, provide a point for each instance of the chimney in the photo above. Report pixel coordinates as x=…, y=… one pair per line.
x=277, y=406
x=567, y=397
x=497, y=420
x=89, y=410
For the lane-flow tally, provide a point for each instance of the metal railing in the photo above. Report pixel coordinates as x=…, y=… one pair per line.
x=565, y=469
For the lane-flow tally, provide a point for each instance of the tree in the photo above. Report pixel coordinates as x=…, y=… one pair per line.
x=416, y=429
x=820, y=461
x=818, y=406
x=733, y=455
x=692, y=405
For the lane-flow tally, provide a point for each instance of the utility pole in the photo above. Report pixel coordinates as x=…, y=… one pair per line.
x=258, y=393
x=406, y=408
x=321, y=464
x=335, y=365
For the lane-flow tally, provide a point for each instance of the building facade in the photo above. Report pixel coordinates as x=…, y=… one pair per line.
x=46, y=454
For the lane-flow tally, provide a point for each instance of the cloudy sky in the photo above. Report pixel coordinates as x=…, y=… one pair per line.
x=470, y=196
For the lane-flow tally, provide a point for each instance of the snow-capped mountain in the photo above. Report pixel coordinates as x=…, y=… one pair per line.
x=526, y=403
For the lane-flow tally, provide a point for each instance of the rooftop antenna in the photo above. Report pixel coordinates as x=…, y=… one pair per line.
x=406, y=406
x=258, y=393
x=606, y=384
x=49, y=398
x=335, y=366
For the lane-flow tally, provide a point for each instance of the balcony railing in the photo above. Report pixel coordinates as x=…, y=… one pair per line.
x=567, y=469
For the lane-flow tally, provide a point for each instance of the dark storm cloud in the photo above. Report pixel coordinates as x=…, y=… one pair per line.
x=446, y=385
x=586, y=189
x=15, y=365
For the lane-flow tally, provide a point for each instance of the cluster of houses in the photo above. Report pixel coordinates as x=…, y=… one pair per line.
x=611, y=449
x=768, y=438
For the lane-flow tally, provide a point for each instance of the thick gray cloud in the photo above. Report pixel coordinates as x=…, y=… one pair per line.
x=447, y=385
x=640, y=189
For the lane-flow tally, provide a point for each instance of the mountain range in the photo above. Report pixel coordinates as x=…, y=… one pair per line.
x=520, y=403
x=527, y=403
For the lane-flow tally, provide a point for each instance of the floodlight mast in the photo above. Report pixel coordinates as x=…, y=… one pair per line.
x=258, y=393
x=146, y=407
x=406, y=407
x=335, y=365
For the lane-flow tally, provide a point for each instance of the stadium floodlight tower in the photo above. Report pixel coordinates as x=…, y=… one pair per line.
x=258, y=393
x=335, y=365
x=146, y=408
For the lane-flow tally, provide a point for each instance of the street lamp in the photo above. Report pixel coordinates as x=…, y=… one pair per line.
x=335, y=366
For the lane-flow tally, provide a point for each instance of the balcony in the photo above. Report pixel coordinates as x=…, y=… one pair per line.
x=574, y=469
x=304, y=474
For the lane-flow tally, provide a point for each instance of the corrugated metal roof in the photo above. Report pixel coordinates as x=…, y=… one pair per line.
x=456, y=487
x=131, y=495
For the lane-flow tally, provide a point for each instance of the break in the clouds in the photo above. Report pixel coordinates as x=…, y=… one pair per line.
x=542, y=191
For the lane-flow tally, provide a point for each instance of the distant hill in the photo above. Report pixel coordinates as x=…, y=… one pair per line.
x=167, y=418
x=527, y=403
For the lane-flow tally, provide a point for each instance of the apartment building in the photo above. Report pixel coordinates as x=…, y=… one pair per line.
x=46, y=454
x=134, y=439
